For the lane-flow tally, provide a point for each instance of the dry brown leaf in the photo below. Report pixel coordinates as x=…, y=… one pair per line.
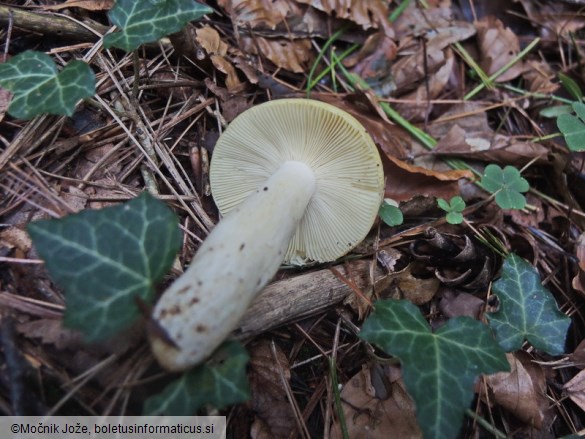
x=375, y=411
x=290, y=55
x=15, y=238
x=368, y=14
x=404, y=181
x=579, y=279
x=232, y=81
x=576, y=389
x=5, y=98
x=578, y=355
x=482, y=143
x=90, y=5
x=211, y=41
x=406, y=285
x=51, y=331
x=275, y=416
x=419, y=110
x=498, y=46
x=522, y=391
x=454, y=304
x=259, y=13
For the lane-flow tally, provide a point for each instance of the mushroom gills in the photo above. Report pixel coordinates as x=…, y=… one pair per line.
x=238, y=258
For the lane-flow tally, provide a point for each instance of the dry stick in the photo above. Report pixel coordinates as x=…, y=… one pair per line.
x=50, y=23
x=299, y=297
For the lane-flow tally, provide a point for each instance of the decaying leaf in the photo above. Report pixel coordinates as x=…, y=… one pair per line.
x=292, y=55
x=498, y=46
x=576, y=389
x=377, y=410
x=404, y=181
x=579, y=279
x=368, y=14
x=464, y=131
x=455, y=304
x=259, y=13
x=274, y=414
x=522, y=391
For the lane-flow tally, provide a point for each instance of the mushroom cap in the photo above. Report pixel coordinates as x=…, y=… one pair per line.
x=343, y=156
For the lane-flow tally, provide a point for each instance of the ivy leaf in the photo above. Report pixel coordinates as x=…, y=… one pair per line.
x=454, y=207
x=105, y=259
x=573, y=127
x=220, y=382
x=527, y=310
x=149, y=20
x=507, y=184
x=38, y=86
x=438, y=368
x=390, y=213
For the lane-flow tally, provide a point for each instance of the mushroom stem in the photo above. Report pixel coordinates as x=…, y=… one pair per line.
x=238, y=258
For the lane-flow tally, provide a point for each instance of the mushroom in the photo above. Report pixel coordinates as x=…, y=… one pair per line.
x=296, y=180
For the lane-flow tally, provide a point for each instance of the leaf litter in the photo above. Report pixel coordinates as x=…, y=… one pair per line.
x=423, y=64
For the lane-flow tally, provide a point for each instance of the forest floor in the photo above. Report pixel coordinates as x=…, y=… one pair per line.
x=445, y=88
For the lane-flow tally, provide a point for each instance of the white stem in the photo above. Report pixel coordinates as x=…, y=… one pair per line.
x=238, y=258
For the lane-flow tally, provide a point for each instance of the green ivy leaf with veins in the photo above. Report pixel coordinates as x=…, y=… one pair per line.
x=220, y=382
x=107, y=259
x=454, y=207
x=527, y=310
x=573, y=127
x=439, y=368
x=38, y=86
x=507, y=184
x=146, y=21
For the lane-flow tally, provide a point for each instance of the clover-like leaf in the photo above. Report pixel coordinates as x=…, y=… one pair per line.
x=528, y=311
x=573, y=127
x=454, y=207
x=38, y=87
x=107, y=259
x=219, y=382
x=149, y=20
x=507, y=184
x=390, y=213
x=438, y=368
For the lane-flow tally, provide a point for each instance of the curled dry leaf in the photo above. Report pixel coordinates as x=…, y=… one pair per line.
x=498, y=46
x=464, y=131
x=404, y=181
x=376, y=406
x=14, y=238
x=265, y=14
x=421, y=108
x=576, y=389
x=274, y=414
x=455, y=304
x=408, y=284
x=291, y=55
x=579, y=279
x=368, y=14
x=457, y=261
x=522, y=391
